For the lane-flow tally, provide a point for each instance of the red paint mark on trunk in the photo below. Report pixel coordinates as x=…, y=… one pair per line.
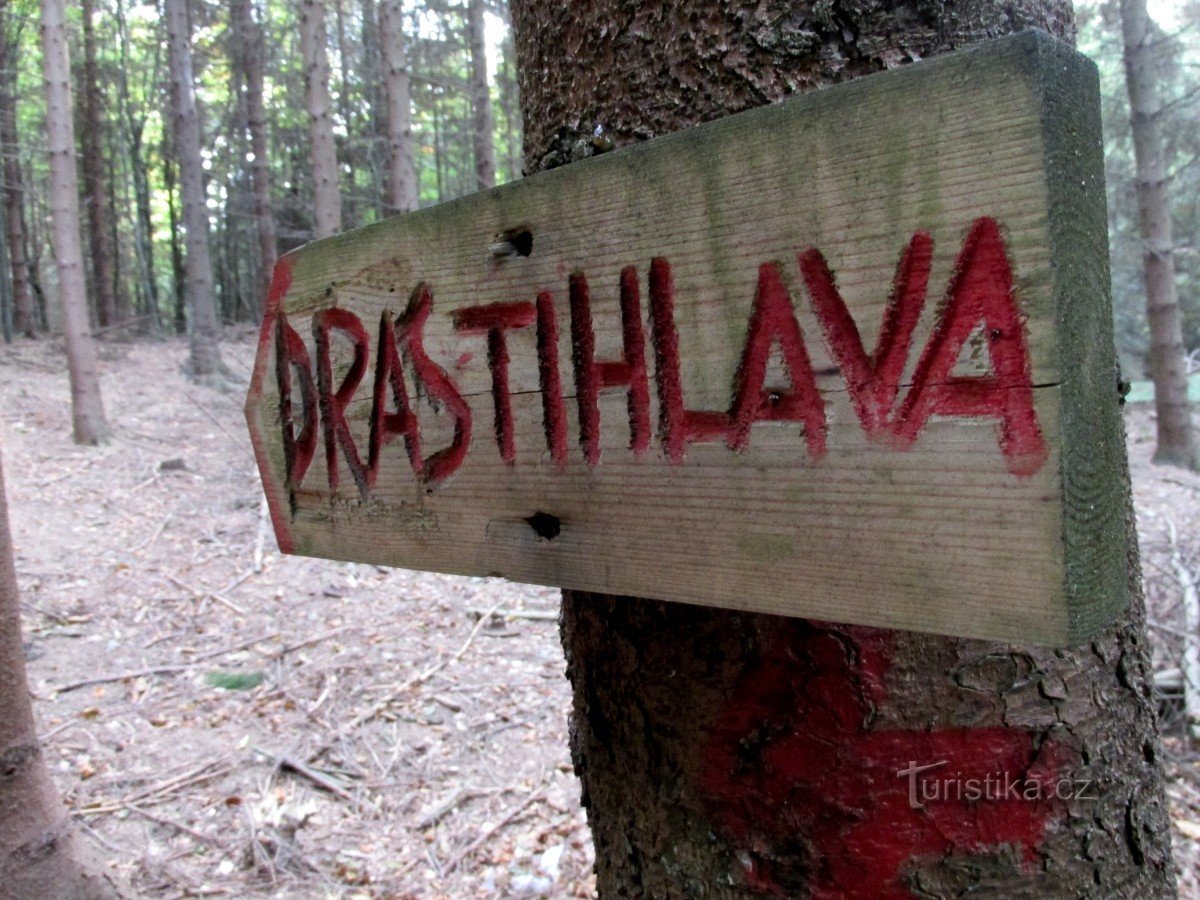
x=678, y=426
x=386, y=426
x=874, y=380
x=795, y=759
x=773, y=321
x=981, y=293
x=410, y=336
x=494, y=320
x=554, y=413
x=333, y=402
x=592, y=375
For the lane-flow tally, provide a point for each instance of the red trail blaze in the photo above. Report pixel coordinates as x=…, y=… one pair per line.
x=981, y=293
x=793, y=767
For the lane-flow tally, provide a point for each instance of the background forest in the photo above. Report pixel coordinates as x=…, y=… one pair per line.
x=250, y=85
x=222, y=719
x=130, y=184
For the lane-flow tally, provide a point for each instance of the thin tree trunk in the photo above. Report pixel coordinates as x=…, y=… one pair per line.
x=481, y=99
x=439, y=143
x=1177, y=441
x=248, y=41
x=132, y=137
x=24, y=309
x=510, y=106
x=87, y=409
x=40, y=853
x=178, y=269
x=327, y=200
x=692, y=727
x=94, y=181
x=373, y=90
x=348, y=155
x=401, y=174
x=205, y=360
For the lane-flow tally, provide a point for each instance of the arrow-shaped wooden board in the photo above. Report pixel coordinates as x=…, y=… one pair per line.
x=848, y=357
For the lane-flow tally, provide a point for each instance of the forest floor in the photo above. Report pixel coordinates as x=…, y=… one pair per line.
x=227, y=721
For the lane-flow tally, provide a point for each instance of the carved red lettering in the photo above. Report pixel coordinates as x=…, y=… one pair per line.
x=494, y=320
x=386, y=426
x=554, y=414
x=773, y=321
x=873, y=381
x=592, y=375
x=333, y=402
x=981, y=293
x=410, y=336
x=291, y=355
x=678, y=426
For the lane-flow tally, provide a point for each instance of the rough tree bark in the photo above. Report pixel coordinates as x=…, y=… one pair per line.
x=1177, y=440
x=248, y=41
x=24, y=310
x=40, y=853
x=205, y=334
x=327, y=200
x=95, y=182
x=481, y=99
x=692, y=727
x=401, y=182
x=87, y=408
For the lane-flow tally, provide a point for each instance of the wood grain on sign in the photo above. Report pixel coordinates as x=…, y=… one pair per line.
x=848, y=357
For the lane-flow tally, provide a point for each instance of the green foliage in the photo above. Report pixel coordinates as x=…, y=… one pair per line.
x=234, y=681
x=136, y=105
x=1179, y=68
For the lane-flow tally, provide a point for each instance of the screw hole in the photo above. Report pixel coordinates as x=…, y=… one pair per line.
x=545, y=526
x=513, y=242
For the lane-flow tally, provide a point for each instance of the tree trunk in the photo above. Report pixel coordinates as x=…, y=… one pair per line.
x=510, y=107
x=178, y=269
x=248, y=40
x=40, y=853
x=94, y=178
x=327, y=201
x=1177, y=441
x=401, y=175
x=132, y=135
x=205, y=360
x=698, y=734
x=481, y=99
x=24, y=310
x=369, y=69
x=87, y=409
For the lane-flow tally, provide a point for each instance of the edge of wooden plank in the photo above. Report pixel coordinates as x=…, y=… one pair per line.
x=1093, y=433
x=274, y=488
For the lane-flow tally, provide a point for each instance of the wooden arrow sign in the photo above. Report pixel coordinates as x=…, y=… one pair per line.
x=849, y=357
